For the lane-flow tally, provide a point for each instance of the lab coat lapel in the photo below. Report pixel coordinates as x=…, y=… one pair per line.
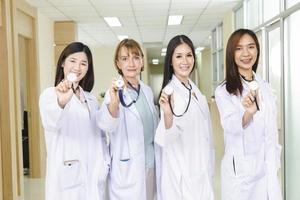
x=128, y=100
x=88, y=100
x=201, y=102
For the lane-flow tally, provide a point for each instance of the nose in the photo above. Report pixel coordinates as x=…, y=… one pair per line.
x=245, y=52
x=76, y=66
x=130, y=61
x=184, y=59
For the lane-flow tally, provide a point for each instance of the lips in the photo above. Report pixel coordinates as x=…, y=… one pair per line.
x=184, y=68
x=246, y=61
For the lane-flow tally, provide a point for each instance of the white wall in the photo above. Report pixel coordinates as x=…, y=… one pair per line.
x=104, y=69
x=228, y=28
x=205, y=73
x=45, y=51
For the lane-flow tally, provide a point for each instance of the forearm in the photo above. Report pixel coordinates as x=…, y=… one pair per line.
x=113, y=109
x=247, y=117
x=168, y=120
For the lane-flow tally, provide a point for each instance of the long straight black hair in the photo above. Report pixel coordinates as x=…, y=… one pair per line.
x=233, y=81
x=168, y=68
x=87, y=83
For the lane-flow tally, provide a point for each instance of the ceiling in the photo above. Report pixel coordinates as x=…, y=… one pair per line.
x=143, y=20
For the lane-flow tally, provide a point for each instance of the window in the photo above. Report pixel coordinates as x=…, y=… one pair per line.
x=239, y=18
x=217, y=55
x=292, y=105
x=253, y=13
x=290, y=3
x=271, y=9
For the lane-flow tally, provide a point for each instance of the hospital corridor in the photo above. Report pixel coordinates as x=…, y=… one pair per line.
x=34, y=33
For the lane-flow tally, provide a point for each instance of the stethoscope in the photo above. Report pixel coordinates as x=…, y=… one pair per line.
x=120, y=84
x=169, y=90
x=253, y=86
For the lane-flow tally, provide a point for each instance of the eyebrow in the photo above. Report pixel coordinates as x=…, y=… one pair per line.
x=239, y=45
x=183, y=53
x=72, y=58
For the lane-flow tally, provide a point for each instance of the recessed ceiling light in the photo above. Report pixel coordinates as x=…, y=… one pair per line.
x=112, y=21
x=122, y=37
x=163, y=53
x=155, y=61
x=175, y=19
x=164, y=50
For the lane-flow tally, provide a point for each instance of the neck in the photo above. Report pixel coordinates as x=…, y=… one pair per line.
x=133, y=81
x=184, y=80
x=247, y=74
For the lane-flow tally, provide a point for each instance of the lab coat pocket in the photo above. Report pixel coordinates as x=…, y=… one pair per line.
x=126, y=174
x=243, y=166
x=71, y=174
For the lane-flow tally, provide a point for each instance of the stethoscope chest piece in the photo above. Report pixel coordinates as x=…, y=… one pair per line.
x=178, y=104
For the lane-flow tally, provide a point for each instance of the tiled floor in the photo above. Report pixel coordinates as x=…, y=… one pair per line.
x=34, y=188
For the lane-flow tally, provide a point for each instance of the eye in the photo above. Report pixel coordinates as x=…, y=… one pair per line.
x=252, y=47
x=124, y=58
x=137, y=57
x=190, y=55
x=178, y=56
x=84, y=64
x=238, y=48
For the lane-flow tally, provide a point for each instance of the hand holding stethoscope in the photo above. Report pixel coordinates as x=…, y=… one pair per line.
x=117, y=97
x=65, y=89
x=168, y=90
x=250, y=101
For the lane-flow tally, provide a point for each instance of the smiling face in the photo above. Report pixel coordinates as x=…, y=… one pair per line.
x=245, y=54
x=130, y=63
x=76, y=63
x=183, y=61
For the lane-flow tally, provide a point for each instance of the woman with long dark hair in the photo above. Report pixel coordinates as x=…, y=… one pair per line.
x=76, y=155
x=248, y=117
x=184, y=131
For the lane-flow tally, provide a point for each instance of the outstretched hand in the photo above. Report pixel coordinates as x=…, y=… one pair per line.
x=64, y=92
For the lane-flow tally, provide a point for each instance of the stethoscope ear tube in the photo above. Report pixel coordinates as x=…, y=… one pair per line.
x=188, y=105
x=121, y=96
x=120, y=93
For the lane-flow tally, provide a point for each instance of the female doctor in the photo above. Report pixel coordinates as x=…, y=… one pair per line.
x=248, y=116
x=184, y=131
x=76, y=166
x=130, y=117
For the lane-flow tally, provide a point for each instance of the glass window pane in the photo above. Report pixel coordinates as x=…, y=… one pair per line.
x=214, y=40
x=253, y=13
x=239, y=18
x=275, y=75
x=271, y=9
x=292, y=105
x=215, y=68
x=221, y=66
x=261, y=68
x=290, y=3
x=220, y=36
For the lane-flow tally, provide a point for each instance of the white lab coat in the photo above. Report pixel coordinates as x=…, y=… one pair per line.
x=77, y=159
x=252, y=154
x=127, y=174
x=187, y=151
